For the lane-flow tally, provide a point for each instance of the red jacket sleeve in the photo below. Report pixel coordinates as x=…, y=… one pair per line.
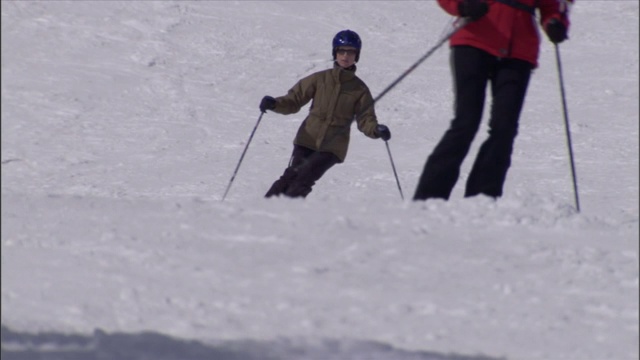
x=549, y=9
x=450, y=6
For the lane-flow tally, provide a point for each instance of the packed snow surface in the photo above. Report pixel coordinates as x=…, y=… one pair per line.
x=123, y=123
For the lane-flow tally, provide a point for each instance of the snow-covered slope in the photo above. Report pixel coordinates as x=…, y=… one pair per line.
x=123, y=122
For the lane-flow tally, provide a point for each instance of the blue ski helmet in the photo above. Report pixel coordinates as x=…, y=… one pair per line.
x=347, y=38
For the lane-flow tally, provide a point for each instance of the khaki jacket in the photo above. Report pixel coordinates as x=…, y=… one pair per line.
x=338, y=97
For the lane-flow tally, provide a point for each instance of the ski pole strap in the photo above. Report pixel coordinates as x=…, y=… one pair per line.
x=518, y=5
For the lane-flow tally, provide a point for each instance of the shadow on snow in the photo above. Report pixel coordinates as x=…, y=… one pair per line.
x=150, y=345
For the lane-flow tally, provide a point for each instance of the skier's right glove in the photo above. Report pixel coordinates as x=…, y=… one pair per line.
x=382, y=131
x=556, y=31
x=267, y=103
x=473, y=9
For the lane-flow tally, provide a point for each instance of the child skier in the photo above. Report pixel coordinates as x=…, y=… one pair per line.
x=339, y=96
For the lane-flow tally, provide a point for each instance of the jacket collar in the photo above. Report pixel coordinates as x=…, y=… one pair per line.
x=341, y=74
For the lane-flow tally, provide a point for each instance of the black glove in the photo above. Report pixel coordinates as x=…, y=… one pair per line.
x=267, y=103
x=556, y=31
x=474, y=9
x=382, y=131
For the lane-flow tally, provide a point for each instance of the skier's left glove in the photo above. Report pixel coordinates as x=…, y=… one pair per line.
x=382, y=131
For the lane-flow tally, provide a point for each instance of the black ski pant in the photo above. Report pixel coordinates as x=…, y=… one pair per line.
x=305, y=168
x=472, y=70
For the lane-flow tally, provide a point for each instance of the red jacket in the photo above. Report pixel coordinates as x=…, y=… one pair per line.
x=508, y=32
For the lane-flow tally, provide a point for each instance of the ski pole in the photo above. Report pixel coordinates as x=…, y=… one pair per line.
x=459, y=24
x=242, y=156
x=566, y=125
x=393, y=166
x=456, y=26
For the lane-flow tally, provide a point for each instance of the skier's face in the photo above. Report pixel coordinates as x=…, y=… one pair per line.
x=346, y=56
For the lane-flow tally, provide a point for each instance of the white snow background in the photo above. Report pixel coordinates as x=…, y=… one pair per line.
x=123, y=122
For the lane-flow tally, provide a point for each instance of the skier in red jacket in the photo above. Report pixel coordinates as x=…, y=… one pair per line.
x=499, y=46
